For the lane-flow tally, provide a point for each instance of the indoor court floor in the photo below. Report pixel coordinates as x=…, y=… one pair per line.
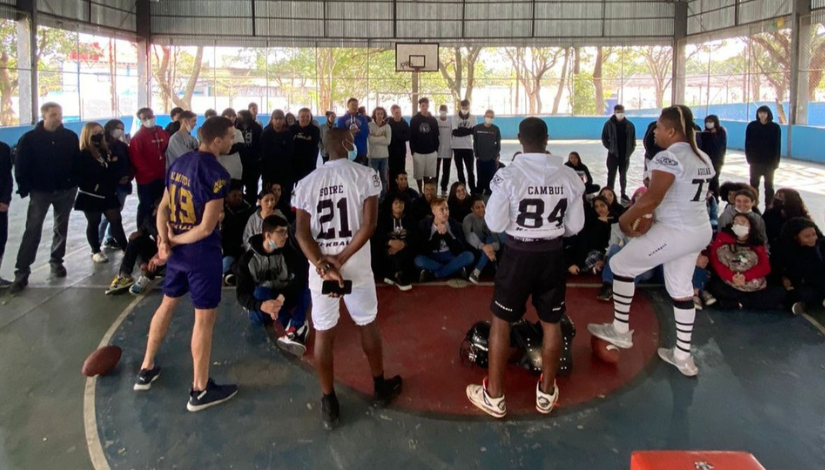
x=759, y=389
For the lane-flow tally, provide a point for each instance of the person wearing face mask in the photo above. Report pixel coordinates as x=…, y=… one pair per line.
x=272, y=284
x=740, y=261
x=619, y=138
x=119, y=160
x=487, y=149
x=97, y=191
x=398, y=145
x=324, y=128
x=46, y=168
x=744, y=202
x=306, y=138
x=462, y=145
x=763, y=148
x=445, y=149
x=276, y=153
x=147, y=151
x=182, y=141
x=714, y=142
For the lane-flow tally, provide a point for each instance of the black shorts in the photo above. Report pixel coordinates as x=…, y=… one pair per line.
x=530, y=269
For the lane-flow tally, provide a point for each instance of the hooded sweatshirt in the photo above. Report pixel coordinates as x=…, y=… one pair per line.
x=423, y=134
x=763, y=142
x=284, y=271
x=147, y=149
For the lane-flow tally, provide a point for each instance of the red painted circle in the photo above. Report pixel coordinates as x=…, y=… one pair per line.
x=423, y=329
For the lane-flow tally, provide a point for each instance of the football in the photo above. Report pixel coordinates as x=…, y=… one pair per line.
x=101, y=361
x=643, y=224
x=604, y=351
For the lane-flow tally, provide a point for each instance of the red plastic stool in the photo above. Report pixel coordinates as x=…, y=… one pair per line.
x=693, y=460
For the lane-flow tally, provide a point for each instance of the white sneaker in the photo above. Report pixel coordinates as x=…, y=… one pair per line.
x=697, y=302
x=798, y=308
x=607, y=332
x=546, y=401
x=707, y=298
x=686, y=366
x=100, y=257
x=494, y=407
x=139, y=286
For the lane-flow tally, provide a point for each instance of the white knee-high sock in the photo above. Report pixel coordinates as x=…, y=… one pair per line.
x=623, y=290
x=685, y=313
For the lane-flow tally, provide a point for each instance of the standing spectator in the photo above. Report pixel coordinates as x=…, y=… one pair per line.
x=459, y=201
x=324, y=128
x=119, y=160
x=480, y=238
x=46, y=167
x=250, y=153
x=445, y=149
x=209, y=113
x=306, y=138
x=253, y=110
x=362, y=111
x=6, y=185
x=424, y=143
x=379, y=141
x=398, y=144
x=182, y=142
x=443, y=251
x=462, y=143
x=619, y=138
x=714, y=142
x=147, y=149
x=649, y=141
x=236, y=214
x=276, y=153
x=358, y=127
x=174, y=126
x=574, y=161
x=97, y=193
x=487, y=149
x=395, y=242
x=232, y=162
x=290, y=119
x=763, y=145
x=803, y=249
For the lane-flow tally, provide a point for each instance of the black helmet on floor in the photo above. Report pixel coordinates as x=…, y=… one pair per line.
x=474, y=349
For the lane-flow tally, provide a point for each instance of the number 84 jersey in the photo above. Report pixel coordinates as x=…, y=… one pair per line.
x=536, y=197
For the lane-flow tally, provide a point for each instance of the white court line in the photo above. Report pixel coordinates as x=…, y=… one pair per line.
x=813, y=322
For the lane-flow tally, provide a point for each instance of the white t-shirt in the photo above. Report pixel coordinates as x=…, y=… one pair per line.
x=465, y=142
x=232, y=162
x=684, y=203
x=445, y=130
x=334, y=196
x=536, y=197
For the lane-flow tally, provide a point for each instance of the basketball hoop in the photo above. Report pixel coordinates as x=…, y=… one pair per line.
x=415, y=57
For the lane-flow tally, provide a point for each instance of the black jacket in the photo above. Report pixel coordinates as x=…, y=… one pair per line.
x=581, y=169
x=250, y=151
x=715, y=144
x=763, y=142
x=97, y=177
x=232, y=227
x=172, y=127
x=430, y=241
x=6, y=181
x=276, y=158
x=285, y=271
x=386, y=231
x=423, y=134
x=304, y=149
x=47, y=161
x=119, y=160
x=805, y=265
x=651, y=149
x=610, y=140
x=486, y=142
x=400, y=137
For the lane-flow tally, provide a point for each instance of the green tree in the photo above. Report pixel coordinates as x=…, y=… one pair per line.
x=174, y=69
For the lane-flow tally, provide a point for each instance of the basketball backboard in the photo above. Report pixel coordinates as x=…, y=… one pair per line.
x=415, y=57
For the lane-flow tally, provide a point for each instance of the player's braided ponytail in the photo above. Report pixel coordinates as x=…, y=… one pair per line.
x=682, y=118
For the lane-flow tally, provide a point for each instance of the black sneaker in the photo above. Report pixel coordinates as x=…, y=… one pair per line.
x=384, y=393
x=401, y=282
x=146, y=377
x=330, y=411
x=19, y=284
x=58, y=270
x=212, y=395
x=426, y=276
x=4, y=284
x=111, y=244
x=625, y=199
x=605, y=293
x=462, y=274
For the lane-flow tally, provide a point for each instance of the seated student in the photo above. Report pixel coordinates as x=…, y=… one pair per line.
x=442, y=250
x=272, y=283
x=740, y=260
x=142, y=246
x=728, y=190
x=803, y=264
x=401, y=187
x=480, y=238
x=421, y=206
x=744, y=201
x=395, y=243
x=613, y=203
x=236, y=213
x=266, y=207
x=282, y=204
x=459, y=202
x=787, y=204
x=574, y=161
x=586, y=251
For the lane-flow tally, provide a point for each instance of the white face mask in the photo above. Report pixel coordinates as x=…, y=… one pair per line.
x=741, y=230
x=620, y=116
x=465, y=110
x=709, y=125
x=488, y=120
x=117, y=133
x=149, y=123
x=442, y=113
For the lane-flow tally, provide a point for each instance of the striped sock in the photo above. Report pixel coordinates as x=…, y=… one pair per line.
x=685, y=312
x=623, y=289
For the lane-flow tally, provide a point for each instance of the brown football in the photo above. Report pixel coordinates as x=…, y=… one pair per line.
x=604, y=351
x=643, y=224
x=101, y=361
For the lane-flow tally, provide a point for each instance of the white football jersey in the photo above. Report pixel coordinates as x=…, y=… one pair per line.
x=684, y=204
x=536, y=197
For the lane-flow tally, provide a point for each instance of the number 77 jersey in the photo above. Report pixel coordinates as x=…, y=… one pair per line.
x=685, y=203
x=333, y=195
x=536, y=197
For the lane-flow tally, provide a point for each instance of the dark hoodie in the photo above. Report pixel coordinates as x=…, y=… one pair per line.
x=284, y=271
x=47, y=161
x=232, y=228
x=763, y=142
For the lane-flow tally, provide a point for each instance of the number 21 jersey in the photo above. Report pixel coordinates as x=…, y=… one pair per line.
x=684, y=205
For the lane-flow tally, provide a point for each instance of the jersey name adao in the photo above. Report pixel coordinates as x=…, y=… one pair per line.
x=685, y=203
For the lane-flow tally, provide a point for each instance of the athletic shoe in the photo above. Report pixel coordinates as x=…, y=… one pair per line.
x=625, y=199
x=119, y=284
x=462, y=274
x=100, y=257
x=140, y=286
x=401, y=282
x=707, y=298
x=605, y=293
x=330, y=411
x=495, y=407
x=146, y=377
x=425, y=276
x=4, y=284
x=58, y=270
x=697, y=302
x=798, y=308
x=389, y=281
x=385, y=392
x=295, y=340
x=474, y=276
x=111, y=244
x=20, y=283
x=229, y=280
x=607, y=332
x=686, y=366
x=212, y=395
x=546, y=401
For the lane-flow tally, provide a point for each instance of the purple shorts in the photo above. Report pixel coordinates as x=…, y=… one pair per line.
x=197, y=270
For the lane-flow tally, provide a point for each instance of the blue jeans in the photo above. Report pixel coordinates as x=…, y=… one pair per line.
x=381, y=165
x=444, y=264
x=607, y=273
x=294, y=310
x=482, y=257
x=227, y=263
x=104, y=233
x=700, y=278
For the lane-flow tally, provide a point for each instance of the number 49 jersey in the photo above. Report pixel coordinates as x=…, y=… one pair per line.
x=536, y=197
x=684, y=204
